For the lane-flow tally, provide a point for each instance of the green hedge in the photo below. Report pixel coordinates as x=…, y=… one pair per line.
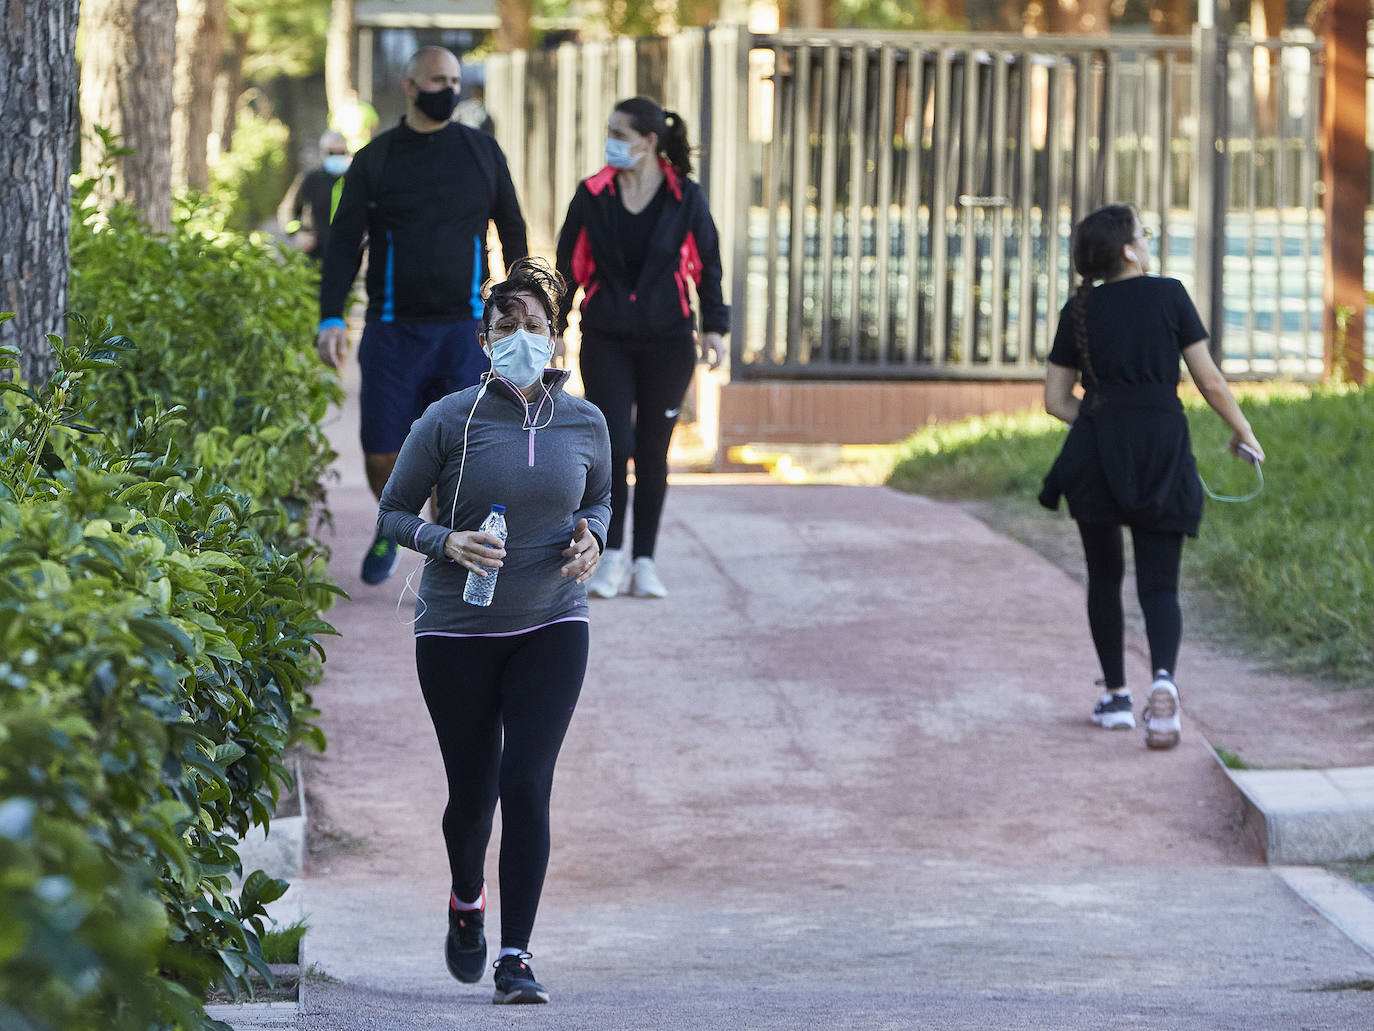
x=160, y=601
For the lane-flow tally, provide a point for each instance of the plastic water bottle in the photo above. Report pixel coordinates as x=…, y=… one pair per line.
x=479, y=589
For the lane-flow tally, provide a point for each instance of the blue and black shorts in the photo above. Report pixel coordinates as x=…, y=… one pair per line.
x=406, y=367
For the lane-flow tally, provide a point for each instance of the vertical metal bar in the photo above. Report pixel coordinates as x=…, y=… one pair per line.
x=796, y=221
x=1026, y=314
x=1082, y=137
x=1310, y=165
x=1220, y=154
x=567, y=166
x=887, y=85
x=1203, y=197
x=996, y=288
x=365, y=74
x=829, y=130
x=858, y=177
x=775, y=154
x=911, y=349
x=968, y=245
x=1054, y=139
x=1166, y=157
x=1280, y=199
x=939, y=208
x=1110, y=118
x=1252, y=206
x=741, y=188
x=1141, y=190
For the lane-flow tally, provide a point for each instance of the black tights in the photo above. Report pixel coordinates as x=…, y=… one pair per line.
x=479, y=690
x=639, y=386
x=1157, y=558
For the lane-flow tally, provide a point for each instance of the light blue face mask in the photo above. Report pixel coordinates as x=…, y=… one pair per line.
x=521, y=357
x=618, y=154
x=336, y=164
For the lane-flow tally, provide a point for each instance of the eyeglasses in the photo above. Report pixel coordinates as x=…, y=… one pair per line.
x=336, y=154
x=504, y=327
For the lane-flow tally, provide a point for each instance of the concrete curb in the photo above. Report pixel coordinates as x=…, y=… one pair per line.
x=1303, y=817
x=280, y=851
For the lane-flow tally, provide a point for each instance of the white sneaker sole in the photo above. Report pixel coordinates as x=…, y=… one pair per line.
x=1115, y=721
x=1163, y=727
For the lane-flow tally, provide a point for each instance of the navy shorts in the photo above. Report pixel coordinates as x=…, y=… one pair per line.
x=406, y=368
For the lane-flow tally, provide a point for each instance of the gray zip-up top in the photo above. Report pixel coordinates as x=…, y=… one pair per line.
x=548, y=461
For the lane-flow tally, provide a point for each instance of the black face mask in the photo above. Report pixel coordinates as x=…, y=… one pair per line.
x=438, y=105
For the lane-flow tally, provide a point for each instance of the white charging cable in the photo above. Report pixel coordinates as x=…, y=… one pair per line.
x=1248, y=455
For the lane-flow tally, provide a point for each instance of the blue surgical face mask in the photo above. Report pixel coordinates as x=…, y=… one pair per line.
x=521, y=357
x=618, y=154
x=336, y=164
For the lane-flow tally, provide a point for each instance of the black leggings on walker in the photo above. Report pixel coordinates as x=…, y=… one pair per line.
x=1157, y=558
x=481, y=690
x=650, y=376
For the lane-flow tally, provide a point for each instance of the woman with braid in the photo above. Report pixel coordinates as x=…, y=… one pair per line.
x=1128, y=460
x=639, y=242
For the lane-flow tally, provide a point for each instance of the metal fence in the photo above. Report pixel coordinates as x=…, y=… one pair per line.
x=899, y=205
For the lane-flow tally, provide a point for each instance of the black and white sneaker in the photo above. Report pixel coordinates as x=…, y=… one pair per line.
x=1163, y=714
x=1114, y=711
x=465, y=948
x=515, y=981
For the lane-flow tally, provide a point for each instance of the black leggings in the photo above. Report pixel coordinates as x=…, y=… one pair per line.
x=650, y=376
x=1157, y=558
x=479, y=689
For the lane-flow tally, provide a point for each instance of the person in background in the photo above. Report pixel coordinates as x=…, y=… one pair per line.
x=1128, y=459
x=472, y=109
x=501, y=681
x=638, y=240
x=310, y=202
x=422, y=195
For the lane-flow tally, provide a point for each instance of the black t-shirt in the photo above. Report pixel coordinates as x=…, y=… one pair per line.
x=636, y=229
x=1137, y=330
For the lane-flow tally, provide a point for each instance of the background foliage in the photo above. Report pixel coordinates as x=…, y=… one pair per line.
x=160, y=606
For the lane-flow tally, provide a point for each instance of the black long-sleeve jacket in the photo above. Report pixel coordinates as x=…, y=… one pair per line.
x=683, y=249
x=422, y=201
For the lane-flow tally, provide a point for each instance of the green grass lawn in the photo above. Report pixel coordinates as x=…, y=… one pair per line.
x=1290, y=574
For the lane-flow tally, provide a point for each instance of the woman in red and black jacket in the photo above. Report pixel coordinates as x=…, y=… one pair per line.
x=639, y=241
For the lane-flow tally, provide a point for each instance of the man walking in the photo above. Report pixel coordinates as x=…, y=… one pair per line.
x=422, y=195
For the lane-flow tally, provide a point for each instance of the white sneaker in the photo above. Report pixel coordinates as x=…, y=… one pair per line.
x=646, y=581
x=610, y=574
x=1163, y=714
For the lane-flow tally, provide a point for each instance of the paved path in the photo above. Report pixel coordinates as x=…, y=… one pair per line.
x=842, y=777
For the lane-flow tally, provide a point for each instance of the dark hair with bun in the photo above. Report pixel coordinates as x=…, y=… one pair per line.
x=647, y=117
x=526, y=276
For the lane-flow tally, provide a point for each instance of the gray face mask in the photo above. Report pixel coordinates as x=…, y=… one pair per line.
x=521, y=357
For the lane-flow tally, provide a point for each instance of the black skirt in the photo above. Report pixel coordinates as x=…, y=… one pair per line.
x=1128, y=460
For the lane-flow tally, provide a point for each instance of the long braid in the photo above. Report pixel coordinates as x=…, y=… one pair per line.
x=1080, y=333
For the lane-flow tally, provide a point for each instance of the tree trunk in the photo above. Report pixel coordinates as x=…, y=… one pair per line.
x=37, y=122
x=228, y=89
x=199, y=39
x=514, y=31
x=338, y=53
x=126, y=87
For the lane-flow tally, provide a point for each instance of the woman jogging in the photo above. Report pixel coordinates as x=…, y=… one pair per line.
x=501, y=681
x=638, y=238
x=1128, y=460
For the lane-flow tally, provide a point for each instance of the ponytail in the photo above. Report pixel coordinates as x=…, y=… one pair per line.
x=673, y=144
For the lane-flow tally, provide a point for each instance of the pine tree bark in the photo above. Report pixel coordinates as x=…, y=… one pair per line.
x=37, y=124
x=338, y=53
x=199, y=40
x=228, y=89
x=126, y=87
x=514, y=31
